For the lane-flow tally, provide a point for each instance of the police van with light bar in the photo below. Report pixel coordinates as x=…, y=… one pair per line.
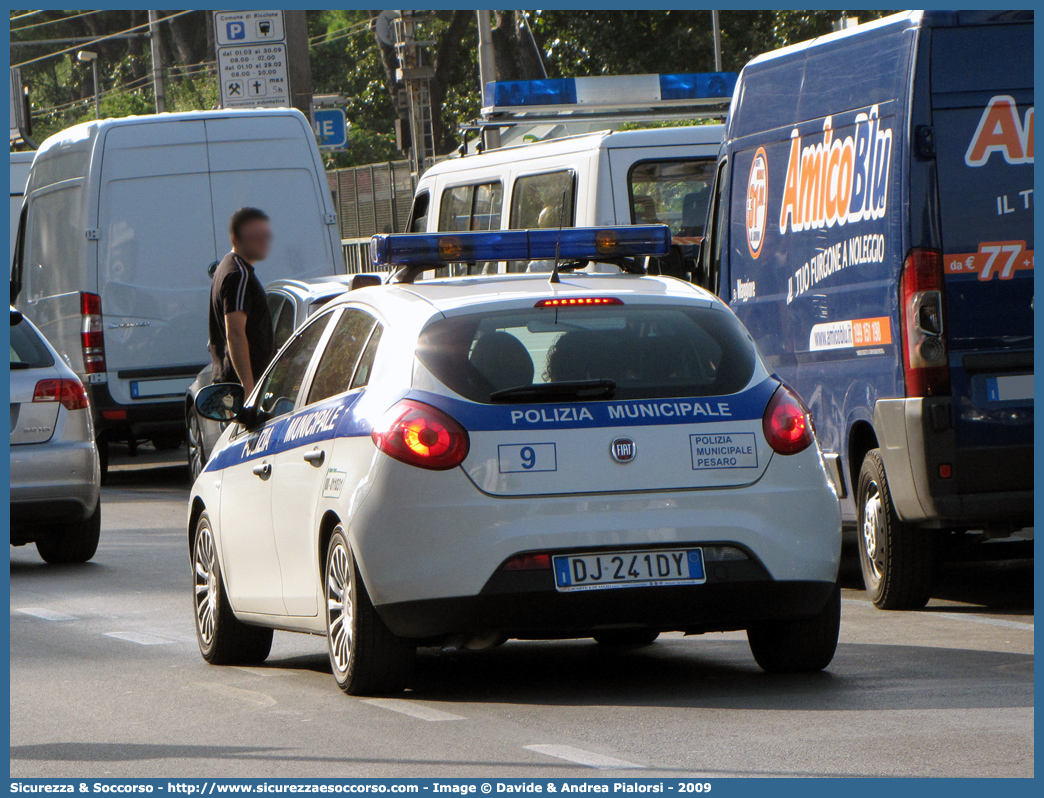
x=657, y=176
x=872, y=226
x=461, y=461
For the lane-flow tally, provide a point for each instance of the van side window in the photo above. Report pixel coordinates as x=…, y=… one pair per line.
x=674, y=193
x=711, y=279
x=419, y=213
x=472, y=207
x=333, y=375
x=545, y=200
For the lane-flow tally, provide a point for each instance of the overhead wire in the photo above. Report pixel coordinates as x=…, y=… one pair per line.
x=54, y=21
x=82, y=45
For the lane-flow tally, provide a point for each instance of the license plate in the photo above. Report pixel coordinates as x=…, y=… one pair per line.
x=1013, y=388
x=606, y=570
x=150, y=388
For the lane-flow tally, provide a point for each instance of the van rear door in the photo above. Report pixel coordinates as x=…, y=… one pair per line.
x=982, y=104
x=156, y=240
x=267, y=161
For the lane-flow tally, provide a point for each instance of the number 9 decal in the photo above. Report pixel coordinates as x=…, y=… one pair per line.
x=528, y=455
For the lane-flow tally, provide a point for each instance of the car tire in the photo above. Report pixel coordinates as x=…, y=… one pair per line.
x=74, y=543
x=366, y=657
x=103, y=459
x=627, y=637
x=897, y=559
x=223, y=638
x=798, y=645
x=197, y=457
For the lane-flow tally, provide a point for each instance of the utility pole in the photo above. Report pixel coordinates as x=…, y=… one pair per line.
x=716, y=23
x=157, y=63
x=487, y=68
x=298, y=62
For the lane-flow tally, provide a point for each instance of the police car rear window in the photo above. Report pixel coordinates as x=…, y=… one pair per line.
x=648, y=351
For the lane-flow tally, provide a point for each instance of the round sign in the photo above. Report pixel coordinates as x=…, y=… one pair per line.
x=623, y=450
x=757, y=202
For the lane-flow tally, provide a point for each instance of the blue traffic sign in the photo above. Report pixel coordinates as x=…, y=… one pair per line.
x=331, y=128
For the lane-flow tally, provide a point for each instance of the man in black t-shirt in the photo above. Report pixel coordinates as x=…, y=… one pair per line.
x=241, y=342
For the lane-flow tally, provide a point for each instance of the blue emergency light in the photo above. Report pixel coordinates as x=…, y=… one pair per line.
x=423, y=251
x=614, y=90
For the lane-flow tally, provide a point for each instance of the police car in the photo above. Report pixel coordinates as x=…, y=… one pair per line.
x=463, y=460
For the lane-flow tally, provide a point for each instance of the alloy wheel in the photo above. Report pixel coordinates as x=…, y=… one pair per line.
x=339, y=605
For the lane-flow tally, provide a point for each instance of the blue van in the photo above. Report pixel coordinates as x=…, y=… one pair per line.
x=871, y=223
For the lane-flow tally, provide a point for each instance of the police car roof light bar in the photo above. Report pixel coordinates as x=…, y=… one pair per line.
x=409, y=255
x=694, y=94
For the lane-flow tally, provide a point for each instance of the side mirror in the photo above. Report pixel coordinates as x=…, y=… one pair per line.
x=16, y=317
x=223, y=401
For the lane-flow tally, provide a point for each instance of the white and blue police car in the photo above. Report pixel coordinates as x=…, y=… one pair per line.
x=463, y=460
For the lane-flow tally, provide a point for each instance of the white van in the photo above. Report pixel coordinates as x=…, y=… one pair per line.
x=660, y=175
x=122, y=220
x=20, y=163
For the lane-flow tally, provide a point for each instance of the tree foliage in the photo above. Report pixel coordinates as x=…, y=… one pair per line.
x=348, y=59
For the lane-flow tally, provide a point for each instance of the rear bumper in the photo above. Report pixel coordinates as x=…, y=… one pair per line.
x=989, y=486
x=420, y=536
x=136, y=420
x=50, y=480
x=525, y=604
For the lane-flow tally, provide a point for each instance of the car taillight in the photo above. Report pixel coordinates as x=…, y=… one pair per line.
x=527, y=562
x=92, y=340
x=921, y=318
x=421, y=435
x=787, y=424
x=69, y=392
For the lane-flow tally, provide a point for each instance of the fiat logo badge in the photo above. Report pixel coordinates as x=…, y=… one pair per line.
x=623, y=450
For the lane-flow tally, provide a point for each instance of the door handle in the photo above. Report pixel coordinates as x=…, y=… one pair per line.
x=315, y=457
x=264, y=470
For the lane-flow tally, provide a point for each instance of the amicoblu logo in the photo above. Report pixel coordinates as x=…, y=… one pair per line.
x=841, y=179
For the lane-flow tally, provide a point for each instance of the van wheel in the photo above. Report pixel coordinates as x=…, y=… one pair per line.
x=801, y=645
x=897, y=559
x=73, y=543
x=223, y=639
x=627, y=637
x=367, y=659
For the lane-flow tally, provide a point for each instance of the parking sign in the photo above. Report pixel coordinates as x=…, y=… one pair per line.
x=248, y=27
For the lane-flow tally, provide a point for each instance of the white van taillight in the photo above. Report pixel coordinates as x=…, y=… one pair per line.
x=921, y=317
x=786, y=423
x=421, y=435
x=91, y=337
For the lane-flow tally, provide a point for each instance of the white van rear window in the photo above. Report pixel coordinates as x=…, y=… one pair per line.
x=674, y=193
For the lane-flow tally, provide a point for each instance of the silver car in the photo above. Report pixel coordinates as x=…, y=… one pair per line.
x=290, y=302
x=55, y=472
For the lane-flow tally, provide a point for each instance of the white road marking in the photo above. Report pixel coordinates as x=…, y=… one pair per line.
x=953, y=616
x=418, y=711
x=140, y=638
x=581, y=757
x=46, y=614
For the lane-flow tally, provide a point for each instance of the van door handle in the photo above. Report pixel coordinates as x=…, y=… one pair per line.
x=264, y=470
x=315, y=457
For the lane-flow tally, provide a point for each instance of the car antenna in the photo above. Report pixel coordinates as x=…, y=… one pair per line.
x=558, y=244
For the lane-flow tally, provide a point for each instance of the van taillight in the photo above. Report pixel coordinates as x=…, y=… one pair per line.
x=786, y=423
x=92, y=340
x=921, y=319
x=421, y=435
x=69, y=392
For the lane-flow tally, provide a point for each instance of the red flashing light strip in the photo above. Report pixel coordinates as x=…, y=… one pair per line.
x=578, y=301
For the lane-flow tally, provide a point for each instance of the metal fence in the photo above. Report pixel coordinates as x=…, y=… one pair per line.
x=370, y=199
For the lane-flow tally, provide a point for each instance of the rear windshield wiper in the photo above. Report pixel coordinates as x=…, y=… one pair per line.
x=551, y=391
